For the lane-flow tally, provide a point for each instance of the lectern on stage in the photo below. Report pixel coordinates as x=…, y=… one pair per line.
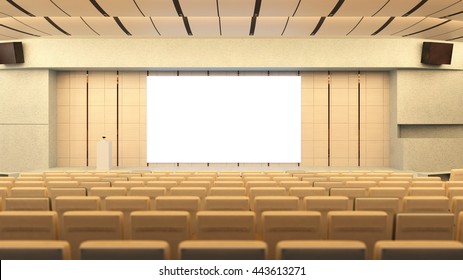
x=103, y=154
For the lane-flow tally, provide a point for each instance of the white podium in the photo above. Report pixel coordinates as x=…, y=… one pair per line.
x=103, y=155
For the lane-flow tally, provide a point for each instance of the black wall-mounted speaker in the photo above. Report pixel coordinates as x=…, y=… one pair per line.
x=11, y=53
x=436, y=53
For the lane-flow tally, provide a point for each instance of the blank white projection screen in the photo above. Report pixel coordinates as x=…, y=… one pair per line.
x=224, y=119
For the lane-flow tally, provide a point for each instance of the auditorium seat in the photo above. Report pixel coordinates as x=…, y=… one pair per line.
x=76, y=203
x=321, y=250
x=27, y=204
x=454, y=191
x=29, y=184
x=26, y=179
x=456, y=175
x=29, y=192
x=247, y=179
x=289, y=225
x=176, y=179
x=389, y=192
x=128, y=184
x=272, y=191
x=89, y=185
x=285, y=179
x=328, y=185
x=418, y=250
x=371, y=178
x=54, y=192
x=151, y=192
x=228, y=179
x=424, y=226
x=224, y=203
x=162, y=184
x=427, y=191
x=124, y=250
x=226, y=225
x=302, y=192
x=144, y=179
x=4, y=193
x=427, y=184
x=28, y=225
x=351, y=193
x=365, y=226
x=195, y=184
x=62, y=184
x=34, y=250
x=261, y=184
x=459, y=235
x=194, y=178
x=82, y=179
x=324, y=204
x=425, y=204
x=361, y=184
x=295, y=184
x=200, y=192
x=170, y=226
x=394, y=184
x=227, y=191
x=456, y=206
x=103, y=192
x=389, y=205
x=127, y=204
x=191, y=204
x=223, y=250
x=427, y=179
x=80, y=226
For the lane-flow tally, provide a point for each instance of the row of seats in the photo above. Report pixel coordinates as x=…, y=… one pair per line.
x=237, y=199
x=272, y=227
x=232, y=250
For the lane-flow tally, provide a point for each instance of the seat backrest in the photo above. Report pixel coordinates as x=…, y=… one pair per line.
x=426, y=191
x=456, y=206
x=200, y=192
x=425, y=204
x=365, y=226
x=227, y=191
x=427, y=184
x=63, y=184
x=328, y=185
x=289, y=225
x=103, y=192
x=29, y=192
x=320, y=250
x=324, y=204
x=27, y=204
x=195, y=184
x=280, y=179
x=229, y=184
x=170, y=226
x=261, y=184
x=28, y=225
x=162, y=184
x=226, y=225
x=228, y=178
x=54, y=192
x=34, y=250
x=192, y=204
x=151, y=192
x=295, y=184
x=456, y=175
x=361, y=184
x=351, y=193
x=394, y=184
x=272, y=191
x=426, y=179
x=89, y=185
x=390, y=205
x=460, y=227
x=418, y=250
x=124, y=250
x=424, y=226
x=128, y=184
x=223, y=250
x=226, y=203
x=80, y=226
x=127, y=204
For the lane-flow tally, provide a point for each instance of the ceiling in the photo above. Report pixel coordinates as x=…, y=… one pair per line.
x=427, y=19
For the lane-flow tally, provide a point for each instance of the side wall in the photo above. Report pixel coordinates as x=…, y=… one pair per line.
x=27, y=120
x=427, y=120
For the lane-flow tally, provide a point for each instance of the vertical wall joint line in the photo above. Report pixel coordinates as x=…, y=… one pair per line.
x=86, y=118
x=329, y=118
x=117, y=118
x=358, y=118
